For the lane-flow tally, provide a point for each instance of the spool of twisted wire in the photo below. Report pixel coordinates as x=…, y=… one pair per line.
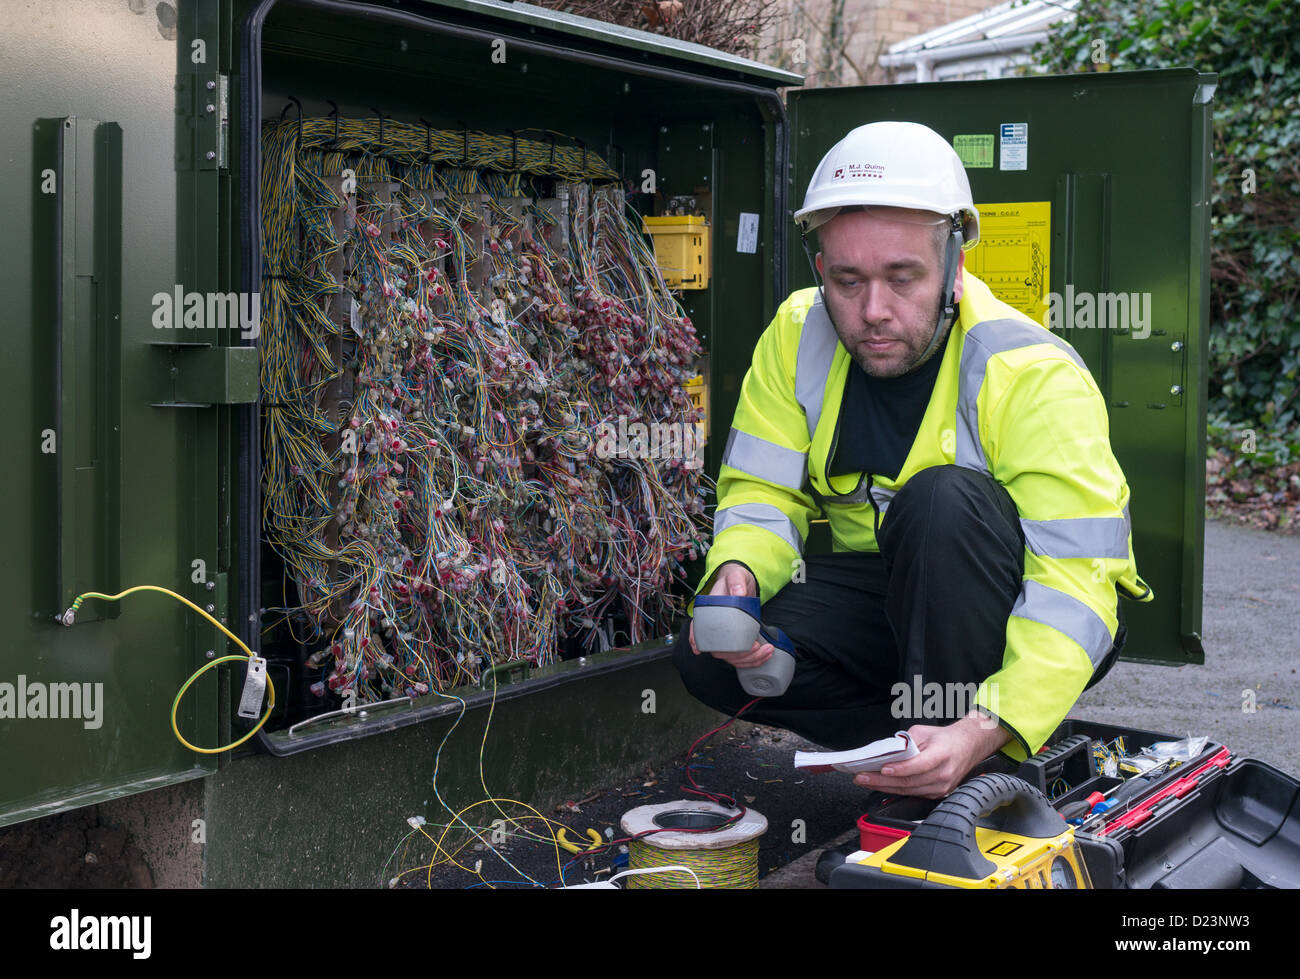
x=725, y=858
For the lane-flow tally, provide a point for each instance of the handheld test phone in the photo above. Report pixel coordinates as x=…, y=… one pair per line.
x=732, y=624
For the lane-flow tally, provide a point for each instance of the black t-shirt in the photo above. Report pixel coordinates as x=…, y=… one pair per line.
x=880, y=416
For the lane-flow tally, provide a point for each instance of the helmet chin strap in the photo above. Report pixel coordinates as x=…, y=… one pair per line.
x=947, y=303
x=803, y=236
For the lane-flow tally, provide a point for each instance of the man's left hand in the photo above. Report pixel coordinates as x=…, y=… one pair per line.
x=947, y=754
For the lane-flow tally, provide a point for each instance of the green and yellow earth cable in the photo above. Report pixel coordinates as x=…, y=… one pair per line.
x=68, y=617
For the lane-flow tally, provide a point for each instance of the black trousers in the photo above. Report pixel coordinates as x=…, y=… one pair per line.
x=931, y=607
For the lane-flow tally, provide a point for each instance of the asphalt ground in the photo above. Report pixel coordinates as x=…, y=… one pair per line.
x=1251, y=635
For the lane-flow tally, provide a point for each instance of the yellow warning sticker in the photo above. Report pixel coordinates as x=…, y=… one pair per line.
x=1013, y=257
x=1003, y=849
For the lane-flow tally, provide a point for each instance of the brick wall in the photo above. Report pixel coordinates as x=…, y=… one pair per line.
x=867, y=28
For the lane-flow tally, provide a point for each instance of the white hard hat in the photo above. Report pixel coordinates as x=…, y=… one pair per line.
x=890, y=164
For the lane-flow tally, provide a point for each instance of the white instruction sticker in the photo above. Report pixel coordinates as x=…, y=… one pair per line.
x=747, y=236
x=1015, y=146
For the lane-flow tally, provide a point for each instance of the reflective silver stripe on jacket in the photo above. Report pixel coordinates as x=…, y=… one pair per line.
x=983, y=340
x=766, y=460
x=813, y=367
x=1086, y=537
x=883, y=497
x=1066, y=614
x=763, y=515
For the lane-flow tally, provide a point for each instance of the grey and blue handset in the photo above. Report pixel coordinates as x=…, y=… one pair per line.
x=732, y=624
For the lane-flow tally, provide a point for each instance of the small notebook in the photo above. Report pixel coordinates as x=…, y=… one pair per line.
x=869, y=758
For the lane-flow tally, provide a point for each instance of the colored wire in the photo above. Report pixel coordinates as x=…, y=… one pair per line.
x=458, y=816
x=176, y=702
x=721, y=867
x=211, y=664
x=448, y=322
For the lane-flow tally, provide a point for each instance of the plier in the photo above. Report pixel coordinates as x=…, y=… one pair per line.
x=562, y=837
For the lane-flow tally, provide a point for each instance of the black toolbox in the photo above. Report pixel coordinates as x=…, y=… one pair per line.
x=1215, y=821
x=1234, y=824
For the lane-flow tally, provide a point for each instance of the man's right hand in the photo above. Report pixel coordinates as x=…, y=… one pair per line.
x=735, y=579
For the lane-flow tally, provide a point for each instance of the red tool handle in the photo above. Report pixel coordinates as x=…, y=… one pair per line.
x=1184, y=785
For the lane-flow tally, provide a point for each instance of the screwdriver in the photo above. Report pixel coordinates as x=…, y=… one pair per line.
x=1081, y=807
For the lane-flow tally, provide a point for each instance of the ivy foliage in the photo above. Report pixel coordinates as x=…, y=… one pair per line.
x=1254, y=48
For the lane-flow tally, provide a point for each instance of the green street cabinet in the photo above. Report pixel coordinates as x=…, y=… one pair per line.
x=134, y=168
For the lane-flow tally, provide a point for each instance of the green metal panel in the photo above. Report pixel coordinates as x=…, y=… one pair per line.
x=88, y=245
x=200, y=376
x=107, y=491
x=1123, y=158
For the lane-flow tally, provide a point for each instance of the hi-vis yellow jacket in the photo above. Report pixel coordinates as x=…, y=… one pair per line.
x=1011, y=399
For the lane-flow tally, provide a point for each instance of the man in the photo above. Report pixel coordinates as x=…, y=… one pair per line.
x=960, y=453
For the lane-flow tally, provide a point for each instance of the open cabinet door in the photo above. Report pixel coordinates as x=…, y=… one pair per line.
x=1088, y=184
x=114, y=419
